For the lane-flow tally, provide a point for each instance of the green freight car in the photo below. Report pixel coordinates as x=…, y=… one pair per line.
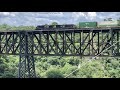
x=87, y=24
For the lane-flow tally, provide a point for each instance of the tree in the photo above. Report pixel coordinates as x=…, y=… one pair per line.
x=108, y=19
x=77, y=26
x=46, y=25
x=8, y=67
x=118, y=21
x=54, y=73
x=5, y=27
x=105, y=19
x=54, y=23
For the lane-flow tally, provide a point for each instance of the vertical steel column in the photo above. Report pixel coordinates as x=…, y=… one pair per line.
x=0, y=43
x=22, y=61
x=74, y=42
x=117, y=41
x=30, y=53
x=47, y=42
x=64, y=43
x=111, y=33
x=71, y=42
x=26, y=63
x=102, y=39
x=92, y=44
x=80, y=44
x=6, y=41
x=98, y=43
x=56, y=43
x=89, y=44
x=82, y=40
x=13, y=41
x=40, y=42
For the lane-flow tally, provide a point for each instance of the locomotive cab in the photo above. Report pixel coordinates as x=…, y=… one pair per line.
x=40, y=27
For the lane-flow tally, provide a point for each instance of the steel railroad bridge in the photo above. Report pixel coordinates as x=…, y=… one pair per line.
x=58, y=42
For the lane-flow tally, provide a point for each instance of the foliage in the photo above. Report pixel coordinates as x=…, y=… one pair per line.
x=54, y=23
x=108, y=19
x=59, y=67
x=8, y=67
x=8, y=27
x=54, y=73
x=92, y=70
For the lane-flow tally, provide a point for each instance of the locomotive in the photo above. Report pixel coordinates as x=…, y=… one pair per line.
x=66, y=26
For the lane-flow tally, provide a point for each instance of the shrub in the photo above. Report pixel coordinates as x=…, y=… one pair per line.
x=54, y=73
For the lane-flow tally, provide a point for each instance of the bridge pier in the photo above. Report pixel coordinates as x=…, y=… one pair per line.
x=26, y=61
x=26, y=67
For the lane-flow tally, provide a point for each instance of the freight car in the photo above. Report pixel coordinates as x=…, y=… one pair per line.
x=108, y=24
x=87, y=24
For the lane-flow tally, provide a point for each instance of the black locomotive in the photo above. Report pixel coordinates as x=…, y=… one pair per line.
x=66, y=26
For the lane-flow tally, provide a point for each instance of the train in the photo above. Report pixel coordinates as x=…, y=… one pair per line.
x=81, y=25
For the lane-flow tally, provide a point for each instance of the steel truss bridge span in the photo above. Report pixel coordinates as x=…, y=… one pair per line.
x=62, y=42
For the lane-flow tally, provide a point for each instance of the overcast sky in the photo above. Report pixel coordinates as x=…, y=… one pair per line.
x=39, y=18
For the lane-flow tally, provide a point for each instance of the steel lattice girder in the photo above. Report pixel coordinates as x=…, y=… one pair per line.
x=67, y=43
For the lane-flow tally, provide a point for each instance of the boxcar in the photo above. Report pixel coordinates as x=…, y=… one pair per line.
x=87, y=24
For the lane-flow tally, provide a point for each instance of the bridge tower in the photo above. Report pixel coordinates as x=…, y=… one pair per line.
x=26, y=61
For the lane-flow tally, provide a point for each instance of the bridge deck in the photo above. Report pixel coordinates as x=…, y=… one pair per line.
x=81, y=29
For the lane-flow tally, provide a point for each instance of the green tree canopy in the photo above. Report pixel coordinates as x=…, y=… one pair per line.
x=46, y=25
x=108, y=19
x=54, y=23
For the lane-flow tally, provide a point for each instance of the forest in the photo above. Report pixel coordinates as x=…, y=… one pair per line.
x=60, y=67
